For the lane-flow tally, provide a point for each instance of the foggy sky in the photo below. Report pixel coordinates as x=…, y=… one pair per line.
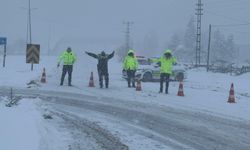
x=101, y=21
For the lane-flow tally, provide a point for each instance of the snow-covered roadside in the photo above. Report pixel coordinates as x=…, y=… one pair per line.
x=18, y=126
x=17, y=73
x=27, y=126
x=203, y=91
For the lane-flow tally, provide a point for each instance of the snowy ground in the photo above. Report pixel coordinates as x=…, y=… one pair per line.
x=97, y=119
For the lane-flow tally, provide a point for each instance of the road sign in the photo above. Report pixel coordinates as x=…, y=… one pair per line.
x=3, y=40
x=33, y=53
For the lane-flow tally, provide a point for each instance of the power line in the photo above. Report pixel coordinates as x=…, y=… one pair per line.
x=229, y=18
x=233, y=32
x=231, y=25
x=226, y=2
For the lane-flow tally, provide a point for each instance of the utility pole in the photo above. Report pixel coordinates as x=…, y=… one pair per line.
x=29, y=30
x=3, y=41
x=4, y=55
x=208, y=49
x=49, y=39
x=198, y=33
x=29, y=22
x=127, y=34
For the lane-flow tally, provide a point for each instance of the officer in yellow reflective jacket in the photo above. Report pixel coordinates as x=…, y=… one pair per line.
x=68, y=58
x=130, y=65
x=166, y=62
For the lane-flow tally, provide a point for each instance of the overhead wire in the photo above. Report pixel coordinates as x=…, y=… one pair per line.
x=227, y=17
x=231, y=25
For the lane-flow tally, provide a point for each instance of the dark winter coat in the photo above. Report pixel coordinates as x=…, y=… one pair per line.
x=102, y=65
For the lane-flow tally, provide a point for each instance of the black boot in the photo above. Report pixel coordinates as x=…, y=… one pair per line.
x=133, y=83
x=129, y=83
x=101, y=84
x=61, y=83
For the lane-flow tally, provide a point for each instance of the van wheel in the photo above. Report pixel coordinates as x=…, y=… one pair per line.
x=147, y=77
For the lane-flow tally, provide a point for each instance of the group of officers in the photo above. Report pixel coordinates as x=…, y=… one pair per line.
x=130, y=65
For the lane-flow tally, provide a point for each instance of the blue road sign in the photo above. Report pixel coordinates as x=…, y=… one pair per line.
x=3, y=40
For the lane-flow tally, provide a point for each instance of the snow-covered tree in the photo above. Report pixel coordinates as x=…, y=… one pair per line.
x=150, y=44
x=175, y=41
x=218, y=47
x=183, y=44
x=231, y=48
x=121, y=52
x=223, y=49
x=189, y=40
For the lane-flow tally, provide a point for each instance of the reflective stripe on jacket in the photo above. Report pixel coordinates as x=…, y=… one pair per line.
x=130, y=63
x=68, y=58
x=166, y=64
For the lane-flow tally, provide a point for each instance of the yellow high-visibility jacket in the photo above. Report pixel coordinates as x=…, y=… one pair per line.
x=68, y=58
x=166, y=64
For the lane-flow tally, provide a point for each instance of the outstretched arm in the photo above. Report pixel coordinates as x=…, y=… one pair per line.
x=111, y=55
x=92, y=55
x=174, y=60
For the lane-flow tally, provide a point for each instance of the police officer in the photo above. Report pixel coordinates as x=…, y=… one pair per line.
x=102, y=66
x=130, y=65
x=166, y=62
x=68, y=58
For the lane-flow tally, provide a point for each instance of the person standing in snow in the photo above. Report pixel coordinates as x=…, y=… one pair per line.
x=102, y=66
x=68, y=58
x=166, y=62
x=130, y=65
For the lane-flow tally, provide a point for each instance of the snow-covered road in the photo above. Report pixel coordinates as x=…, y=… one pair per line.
x=110, y=122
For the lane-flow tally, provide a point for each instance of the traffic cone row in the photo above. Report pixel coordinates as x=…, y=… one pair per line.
x=231, y=98
x=91, y=80
x=43, y=78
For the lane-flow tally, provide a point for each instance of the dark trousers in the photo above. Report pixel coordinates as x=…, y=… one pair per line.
x=67, y=69
x=131, y=77
x=164, y=77
x=105, y=75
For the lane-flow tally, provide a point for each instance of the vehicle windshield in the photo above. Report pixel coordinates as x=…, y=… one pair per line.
x=143, y=62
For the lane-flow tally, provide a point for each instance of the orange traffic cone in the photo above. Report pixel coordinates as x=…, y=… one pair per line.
x=180, y=91
x=43, y=78
x=231, y=98
x=138, y=85
x=91, y=80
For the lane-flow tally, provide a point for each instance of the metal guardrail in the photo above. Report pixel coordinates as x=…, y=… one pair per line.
x=242, y=70
x=230, y=69
x=223, y=69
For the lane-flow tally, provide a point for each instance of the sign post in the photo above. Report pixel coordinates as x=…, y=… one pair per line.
x=32, y=54
x=3, y=41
